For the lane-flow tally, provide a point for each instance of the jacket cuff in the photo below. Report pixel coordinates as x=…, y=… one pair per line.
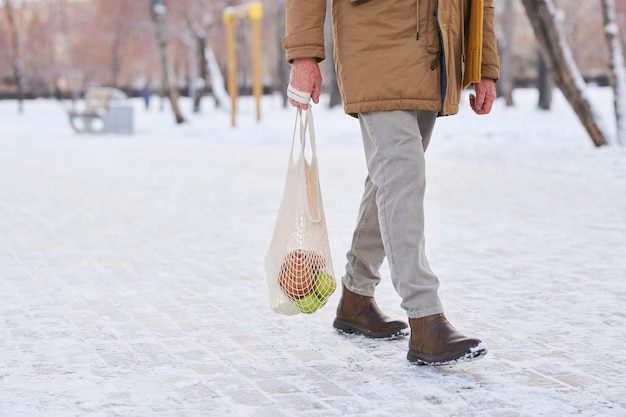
x=490, y=71
x=305, y=44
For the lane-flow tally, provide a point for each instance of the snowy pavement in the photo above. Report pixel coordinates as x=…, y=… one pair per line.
x=132, y=279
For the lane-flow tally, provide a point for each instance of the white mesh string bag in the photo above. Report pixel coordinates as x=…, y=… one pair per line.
x=298, y=265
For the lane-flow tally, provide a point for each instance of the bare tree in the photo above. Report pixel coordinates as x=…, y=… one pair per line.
x=157, y=8
x=544, y=83
x=17, y=53
x=617, y=73
x=282, y=66
x=506, y=82
x=63, y=63
x=543, y=17
x=335, y=95
x=117, y=21
x=199, y=17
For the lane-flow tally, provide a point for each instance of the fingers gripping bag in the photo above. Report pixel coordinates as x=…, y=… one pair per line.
x=298, y=264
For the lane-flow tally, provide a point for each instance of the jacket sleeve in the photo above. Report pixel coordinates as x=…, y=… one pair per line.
x=490, y=61
x=304, y=29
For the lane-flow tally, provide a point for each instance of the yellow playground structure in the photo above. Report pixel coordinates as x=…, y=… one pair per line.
x=253, y=11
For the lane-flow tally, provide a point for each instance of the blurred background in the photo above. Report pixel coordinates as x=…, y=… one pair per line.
x=173, y=48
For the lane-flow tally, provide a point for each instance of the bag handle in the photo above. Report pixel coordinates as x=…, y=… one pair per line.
x=305, y=123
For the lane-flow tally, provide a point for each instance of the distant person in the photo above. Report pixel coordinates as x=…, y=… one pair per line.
x=399, y=65
x=146, y=93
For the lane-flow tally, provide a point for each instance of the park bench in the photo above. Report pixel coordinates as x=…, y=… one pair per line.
x=105, y=110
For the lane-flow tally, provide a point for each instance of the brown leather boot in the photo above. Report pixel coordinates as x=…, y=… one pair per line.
x=435, y=342
x=360, y=314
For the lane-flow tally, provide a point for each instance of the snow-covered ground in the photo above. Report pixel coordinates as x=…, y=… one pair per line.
x=132, y=279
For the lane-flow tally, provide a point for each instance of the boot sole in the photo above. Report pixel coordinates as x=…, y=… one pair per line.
x=349, y=328
x=471, y=354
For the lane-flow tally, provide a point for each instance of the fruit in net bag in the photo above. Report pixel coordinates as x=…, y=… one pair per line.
x=310, y=303
x=324, y=284
x=315, y=260
x=296, y=274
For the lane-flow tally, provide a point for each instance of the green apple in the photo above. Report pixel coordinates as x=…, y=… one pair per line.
x=324, y=285
x=310, y=303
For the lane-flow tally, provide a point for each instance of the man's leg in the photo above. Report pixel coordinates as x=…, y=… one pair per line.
x=394, y=144
x=367, y=253
x=357, y=311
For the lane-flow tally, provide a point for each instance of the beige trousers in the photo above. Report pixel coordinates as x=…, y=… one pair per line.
x=391, y=216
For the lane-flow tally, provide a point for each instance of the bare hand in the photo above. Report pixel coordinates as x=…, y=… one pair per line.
x=485, y=95
x=306, y=76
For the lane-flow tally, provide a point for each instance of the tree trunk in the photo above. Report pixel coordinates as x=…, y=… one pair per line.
x=17, y=54
x=617, y=72
x=544, y=83
x=542, y=16
x=506, y=82
x=166, y=64
x=204, y=73
x=335, y=95
x=218, y=85
x=115, y=63
x=283, y=67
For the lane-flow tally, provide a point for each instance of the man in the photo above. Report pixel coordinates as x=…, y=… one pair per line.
x=399, y=66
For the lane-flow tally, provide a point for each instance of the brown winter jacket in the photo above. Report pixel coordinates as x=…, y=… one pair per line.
x=388, y=53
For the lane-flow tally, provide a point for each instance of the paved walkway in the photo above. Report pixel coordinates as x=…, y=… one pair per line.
x=132, y=284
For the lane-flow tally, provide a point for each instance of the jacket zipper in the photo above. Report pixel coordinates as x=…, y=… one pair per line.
x=443, y=74
x=417, y=25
